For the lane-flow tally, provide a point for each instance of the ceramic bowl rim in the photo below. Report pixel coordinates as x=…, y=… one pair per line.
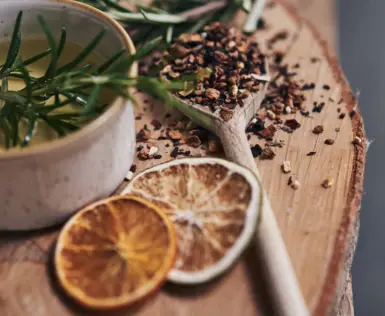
x=112, y=111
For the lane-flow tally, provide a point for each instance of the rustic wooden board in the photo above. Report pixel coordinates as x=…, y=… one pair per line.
x=315, y=222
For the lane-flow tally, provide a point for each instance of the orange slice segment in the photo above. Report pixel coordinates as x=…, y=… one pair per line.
x=115, y=252
x=214, y=205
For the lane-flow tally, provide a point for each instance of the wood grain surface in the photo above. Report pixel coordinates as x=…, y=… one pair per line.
x=316, y=223
x=323, y=15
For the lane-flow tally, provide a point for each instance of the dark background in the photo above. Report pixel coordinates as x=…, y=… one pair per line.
x=362, y=53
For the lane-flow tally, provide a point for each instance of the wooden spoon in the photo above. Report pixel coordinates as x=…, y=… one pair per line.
x=285, y=295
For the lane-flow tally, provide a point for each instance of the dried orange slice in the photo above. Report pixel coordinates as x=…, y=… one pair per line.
x=115, y=252
x=214, y=205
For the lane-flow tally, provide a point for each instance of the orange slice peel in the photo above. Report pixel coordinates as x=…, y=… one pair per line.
x=115, y=252
x=214, y=205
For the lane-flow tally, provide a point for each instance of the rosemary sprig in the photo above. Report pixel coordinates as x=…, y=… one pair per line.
x=168, y=18
x=151, y=27
x=73, y=83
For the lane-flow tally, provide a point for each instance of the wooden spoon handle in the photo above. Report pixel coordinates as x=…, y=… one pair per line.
x=283, y=289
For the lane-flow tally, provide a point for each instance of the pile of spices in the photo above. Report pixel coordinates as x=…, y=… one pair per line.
x=284, y=94
x=229, y=67
x=233, y=65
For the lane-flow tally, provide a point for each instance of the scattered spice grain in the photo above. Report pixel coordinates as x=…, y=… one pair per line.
x=278, y=57
x=175, y=152
x=319, y=129
x=267, y=154
x=213, y=146
x=143, y=135
x=144, y=154
x=329, y=141
x=293, y=124
x=267, y=133
x=256, y=126
x=270, y=114
x=129, y=175
x=174, y=134
x=201, y=133
x=308, y=86
x=313, y=60
x=357, y=140
x=295, y=185
x=153, y=150
x=156, y=124
x=287, y=109
x=261, y=24
x=194, y=141
x=286, y=166
x=319, y=107
x=256, y=150
x=327, y=183
x=212, y=94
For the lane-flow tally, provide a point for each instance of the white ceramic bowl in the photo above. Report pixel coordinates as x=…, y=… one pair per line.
x=43, y=185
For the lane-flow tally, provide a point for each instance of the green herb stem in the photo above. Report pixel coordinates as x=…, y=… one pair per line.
x=73, y=83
